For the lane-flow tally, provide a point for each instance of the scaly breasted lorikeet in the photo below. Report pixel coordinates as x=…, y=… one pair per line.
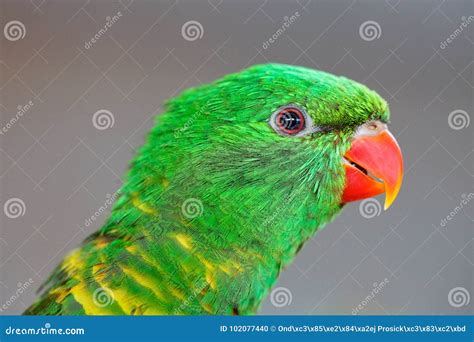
x=235, y=176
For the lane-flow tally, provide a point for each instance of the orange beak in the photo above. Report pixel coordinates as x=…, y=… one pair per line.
x=373, y=165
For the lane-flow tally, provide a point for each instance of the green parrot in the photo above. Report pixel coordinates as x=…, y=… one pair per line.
x=233, y=179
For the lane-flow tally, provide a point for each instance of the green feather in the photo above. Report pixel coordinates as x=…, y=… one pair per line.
x=259, y=196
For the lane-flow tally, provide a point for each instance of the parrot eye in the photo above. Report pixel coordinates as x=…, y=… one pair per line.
x=290, y=120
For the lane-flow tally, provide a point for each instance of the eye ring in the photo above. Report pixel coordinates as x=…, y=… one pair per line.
x=291, y=120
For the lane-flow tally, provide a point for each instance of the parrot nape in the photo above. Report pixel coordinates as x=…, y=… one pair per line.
x=233, y=179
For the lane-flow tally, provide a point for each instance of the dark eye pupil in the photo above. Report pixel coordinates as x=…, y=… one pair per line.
x=290, y=121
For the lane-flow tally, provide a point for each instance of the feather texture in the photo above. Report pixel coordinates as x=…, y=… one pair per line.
x=216, y=203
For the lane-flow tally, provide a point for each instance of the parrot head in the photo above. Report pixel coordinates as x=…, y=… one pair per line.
x=275, y=151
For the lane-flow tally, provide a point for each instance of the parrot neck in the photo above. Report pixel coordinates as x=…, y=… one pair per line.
x=194, y=269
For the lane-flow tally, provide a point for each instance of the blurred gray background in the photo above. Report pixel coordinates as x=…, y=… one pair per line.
x=58, y=165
